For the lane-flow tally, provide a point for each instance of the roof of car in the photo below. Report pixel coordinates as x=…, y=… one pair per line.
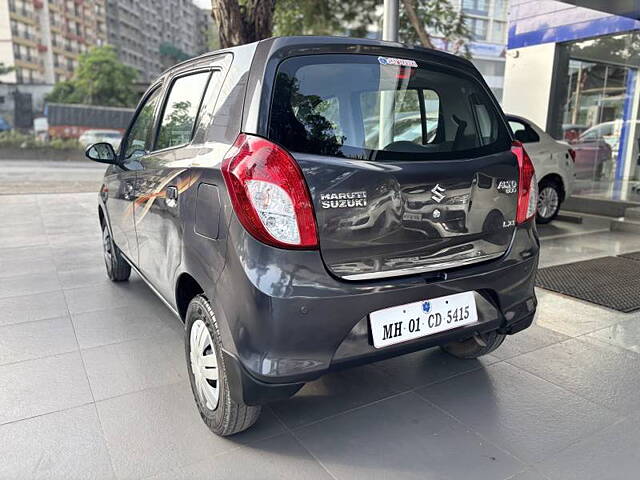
x=308, y=40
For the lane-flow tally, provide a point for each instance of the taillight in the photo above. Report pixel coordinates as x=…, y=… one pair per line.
x=527, y=184
x=269, y=194
x=572, y=154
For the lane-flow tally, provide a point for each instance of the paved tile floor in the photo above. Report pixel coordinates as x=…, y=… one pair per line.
x=93, y=382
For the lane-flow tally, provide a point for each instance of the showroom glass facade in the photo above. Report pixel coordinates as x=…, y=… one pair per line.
x=574, y=71
x=598, y=105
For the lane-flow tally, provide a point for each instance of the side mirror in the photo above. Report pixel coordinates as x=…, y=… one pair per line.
x=102, y=152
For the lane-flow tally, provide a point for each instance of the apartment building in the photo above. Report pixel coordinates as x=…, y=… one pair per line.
x=487, y=21
x=43, y=39
x=151, y=35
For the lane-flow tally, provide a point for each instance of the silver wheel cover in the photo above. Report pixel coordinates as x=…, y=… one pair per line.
x=204, y=364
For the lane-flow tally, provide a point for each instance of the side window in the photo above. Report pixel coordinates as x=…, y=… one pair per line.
x=138, y=142
x=181, y=110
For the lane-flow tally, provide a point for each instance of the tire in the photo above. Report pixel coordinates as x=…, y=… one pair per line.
x=472, y=348
x=118, y=270
x=220, y=412
x=549, y=200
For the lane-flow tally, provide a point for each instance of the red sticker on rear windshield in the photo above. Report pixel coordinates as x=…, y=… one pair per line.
x=401, y=62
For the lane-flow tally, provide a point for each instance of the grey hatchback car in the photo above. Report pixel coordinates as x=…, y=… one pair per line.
x=304, y=204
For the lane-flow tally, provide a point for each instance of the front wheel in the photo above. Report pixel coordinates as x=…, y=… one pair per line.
x=476, y=346
x=549, y=195
x=208, y=373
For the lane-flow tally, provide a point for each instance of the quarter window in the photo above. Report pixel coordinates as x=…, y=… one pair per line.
x=139, y=138
x=523, y=132
x=181, y=110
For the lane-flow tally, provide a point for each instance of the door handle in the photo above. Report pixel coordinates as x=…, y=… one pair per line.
x=171, y=196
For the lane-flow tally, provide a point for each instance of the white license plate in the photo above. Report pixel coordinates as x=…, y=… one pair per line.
x=413, y=217
x=419, y=319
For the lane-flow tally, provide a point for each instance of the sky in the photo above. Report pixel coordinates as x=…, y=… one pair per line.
x=203, y=3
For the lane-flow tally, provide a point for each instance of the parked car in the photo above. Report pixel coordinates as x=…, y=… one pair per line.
x=240, y=196
x=554, y=164
x=592, y=151
x=89, y=137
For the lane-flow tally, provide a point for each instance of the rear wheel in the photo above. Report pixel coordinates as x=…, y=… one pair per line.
x=477, y=346
x=550, y=193
x=118, y=270
x=208, y=373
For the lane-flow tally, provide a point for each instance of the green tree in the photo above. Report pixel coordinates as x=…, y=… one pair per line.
x=325, y=17
x=242, y=21
x=4, y=70
x=421, y=20
x=101, y=79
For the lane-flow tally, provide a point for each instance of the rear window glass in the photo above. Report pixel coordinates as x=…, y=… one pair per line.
x=363, y=106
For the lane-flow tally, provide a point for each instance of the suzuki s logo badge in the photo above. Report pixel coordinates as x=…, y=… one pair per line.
x=426, y=307
x=438, y=193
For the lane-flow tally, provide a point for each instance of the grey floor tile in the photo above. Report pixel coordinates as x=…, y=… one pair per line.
x=135, y=365
x=29, y=284
x=623, y=334
x=522, y=413
x=97, y=297
x=73, y=226
x=572, y=317
x=76, y=259
x=115, y=325
x=28, y=308
x=528, y=340
x=61, y=445
x=160, y=429
x=45, y=385
x=11, y=240
x=403, y=437
x=429, y=366
x=27, y=341
x=33, y=228
x=22, y=261
x=585, y=247
x=611, y=454
x=72, y=240
x=20, y=267
x=335, y=393
x=24, y=253
x=15, y=218
x=272, y=459
x=529, y=474
x=83, y=277
x=599, y=372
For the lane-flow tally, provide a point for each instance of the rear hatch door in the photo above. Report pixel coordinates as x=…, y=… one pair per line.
x=408, y=162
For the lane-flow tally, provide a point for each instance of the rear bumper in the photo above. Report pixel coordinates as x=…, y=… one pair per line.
x=288, y=321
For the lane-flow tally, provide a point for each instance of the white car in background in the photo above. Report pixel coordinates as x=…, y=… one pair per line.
x=89, y=137
x=554, y=164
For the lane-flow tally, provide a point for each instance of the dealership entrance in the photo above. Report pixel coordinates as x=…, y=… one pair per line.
x=597, y=103
x=579, y=69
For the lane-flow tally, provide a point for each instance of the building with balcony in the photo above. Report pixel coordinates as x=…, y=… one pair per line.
x=487, y=22
x=42, y=39
x=152, y=35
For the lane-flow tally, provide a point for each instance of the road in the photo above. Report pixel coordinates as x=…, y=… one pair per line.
x=43, y=176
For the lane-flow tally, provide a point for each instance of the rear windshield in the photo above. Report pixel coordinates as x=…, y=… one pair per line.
x=382, y=108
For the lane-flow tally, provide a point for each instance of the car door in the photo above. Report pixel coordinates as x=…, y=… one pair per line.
x=119, y=191
x=163, y=175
